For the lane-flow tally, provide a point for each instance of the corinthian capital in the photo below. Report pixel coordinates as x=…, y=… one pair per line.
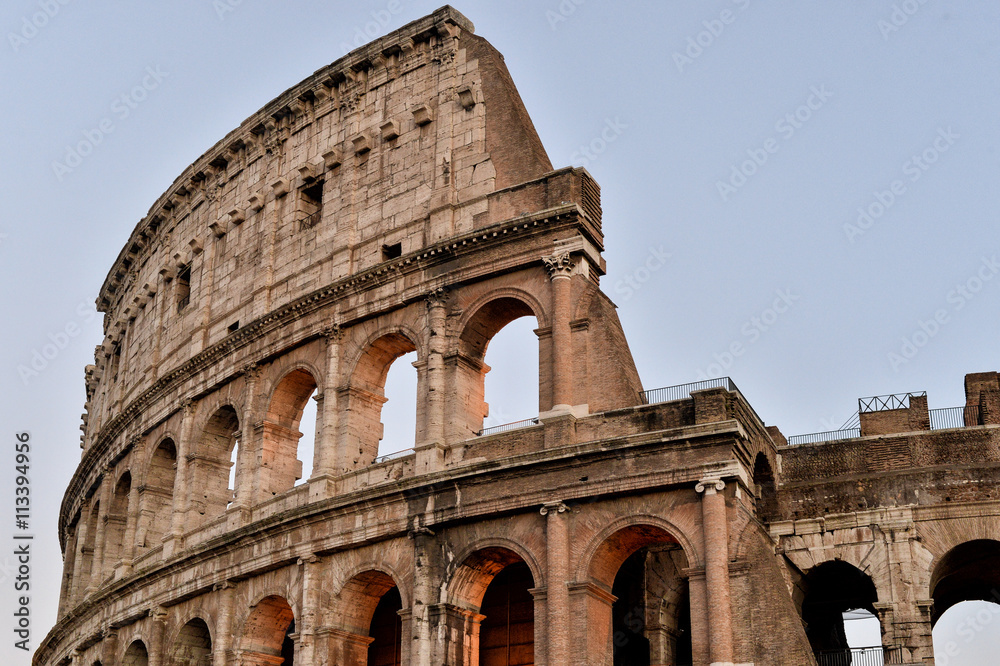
x=559, y=265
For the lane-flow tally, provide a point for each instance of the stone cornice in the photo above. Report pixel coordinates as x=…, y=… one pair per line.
x=102, y=445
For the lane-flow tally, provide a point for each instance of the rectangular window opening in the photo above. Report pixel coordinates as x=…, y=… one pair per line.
x=392, y=251
x=183, y=287
x=235, y=326
x=310, y=206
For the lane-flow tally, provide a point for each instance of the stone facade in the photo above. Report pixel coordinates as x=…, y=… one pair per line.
x=400, y=200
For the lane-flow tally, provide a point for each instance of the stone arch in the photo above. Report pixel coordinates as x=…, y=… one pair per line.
x=135, y=655
x=267, y=629
x=380, y=567
x=491, y=605
x=116, y=521
x=366, y=608
x=638, y=608
x=157, y=495
x=209, y=465
x=362, y=399
x=830, y=589
x=461, y=581
x=90, y=574
x=192, y=644
x=968, y=572
x=278, y=467
x=466, y=366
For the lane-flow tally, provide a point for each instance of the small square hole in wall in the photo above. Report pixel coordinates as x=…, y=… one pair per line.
x=234, y=327
x=391, y=251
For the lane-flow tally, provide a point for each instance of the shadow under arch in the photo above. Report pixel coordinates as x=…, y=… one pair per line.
x=829, y=590
x=370, y=630
x=212, y=454
x=968, y=572
x=135, y=655
x=267, y=630
x=156, y=496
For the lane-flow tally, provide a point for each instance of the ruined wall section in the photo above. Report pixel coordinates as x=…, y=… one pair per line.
x=387, y=150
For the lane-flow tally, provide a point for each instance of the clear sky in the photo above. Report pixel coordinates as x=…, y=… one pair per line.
x=801, y=195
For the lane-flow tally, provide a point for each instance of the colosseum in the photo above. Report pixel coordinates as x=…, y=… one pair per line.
x=399, y=200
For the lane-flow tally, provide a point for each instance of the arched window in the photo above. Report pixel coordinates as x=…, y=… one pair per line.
x=386, y=631
x=193, y=645
x=965, y=586
x=266, y=634
x=837, y=593
x=210, y=467
x=136, y=655
x=513, y=350
x=157, y=497
x=399, y=413
x=117, y=518
x=284, y=425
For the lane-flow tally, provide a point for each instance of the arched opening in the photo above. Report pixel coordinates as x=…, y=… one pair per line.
x=494, y=608
x=650, y=619
x=267, y=632
x=965, y=587
x=211, y=465
x=399, y=412
x=136, y=655
x=767, y=492
x=368, y=393
x=507, y=632
x=114, y=528
x=284, y=424
x=193, y=645
x=386, y=631
x=507, y=392
x=90, y=574
x=836, y=593
x=157, y=498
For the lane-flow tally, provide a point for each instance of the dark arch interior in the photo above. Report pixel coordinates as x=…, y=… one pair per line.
x=507, y=634
x=831, y=589
x=193, y=645
x=969, y=572
x=386, y=631
x=767, y=494
x=136, y=655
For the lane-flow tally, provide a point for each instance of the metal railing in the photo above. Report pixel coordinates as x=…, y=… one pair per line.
x=869, y=656
x=881, y=403
x=828, y=436
x=492, y=430
x=954, y=417
x=683, y=391
x=311, y=220
x=183, y=302
x=392, y=456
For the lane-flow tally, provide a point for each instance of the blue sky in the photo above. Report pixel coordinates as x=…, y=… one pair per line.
x=799, y=195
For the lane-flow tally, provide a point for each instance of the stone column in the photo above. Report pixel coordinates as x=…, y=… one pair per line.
x=69, y=573
x=715, y=525
x=699, y=615
x=425, y=595
x=222, y=643
x=306, y=625
x=82, y=527
x=430, y=453
x=174, y=540
x=249, y=444
x=557, y=566
x=158, y=628
x=541, y=609
x=109, y=646
x=560, y=267
x=132, y=518
x=97, y=564
x=325, y=454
